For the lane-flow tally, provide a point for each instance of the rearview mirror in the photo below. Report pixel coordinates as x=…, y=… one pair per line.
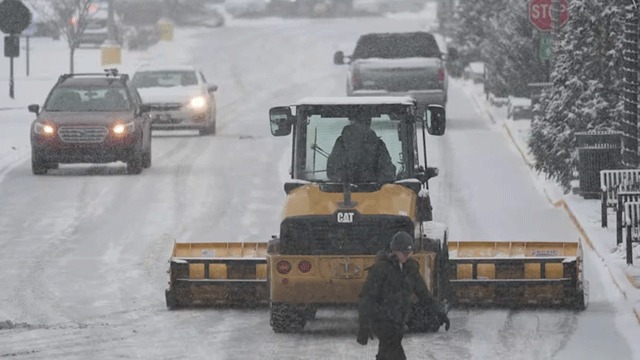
x=424, y=175
x=338, y=58
x=280, y=120
x=212, y=88
x=34, y=108
x=435, y=119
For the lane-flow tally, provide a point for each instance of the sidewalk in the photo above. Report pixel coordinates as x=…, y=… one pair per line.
x=585, y=214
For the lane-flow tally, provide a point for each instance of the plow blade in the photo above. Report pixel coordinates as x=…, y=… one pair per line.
x=515, y=274
x=218, y=274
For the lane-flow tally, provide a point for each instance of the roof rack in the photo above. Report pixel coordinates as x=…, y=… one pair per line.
x=111, y=72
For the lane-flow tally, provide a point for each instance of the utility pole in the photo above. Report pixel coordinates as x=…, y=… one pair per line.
x=111, y=22
x=630, y=87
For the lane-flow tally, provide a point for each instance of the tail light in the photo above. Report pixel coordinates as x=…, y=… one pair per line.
x=283, y=267
x=356, y=82
x=304, y=266
x=441, y=74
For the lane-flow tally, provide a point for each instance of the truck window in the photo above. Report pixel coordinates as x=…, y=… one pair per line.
x=396, y=45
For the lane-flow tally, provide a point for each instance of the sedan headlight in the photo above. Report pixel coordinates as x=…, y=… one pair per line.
x=198, y=103
x=44, y=129
x=123, y=128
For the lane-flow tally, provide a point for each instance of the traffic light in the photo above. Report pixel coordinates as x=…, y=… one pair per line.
x=11, y=46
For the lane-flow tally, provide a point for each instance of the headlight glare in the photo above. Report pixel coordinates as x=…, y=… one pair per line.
x=198, y=103
x=44, y=129
x=121, y=128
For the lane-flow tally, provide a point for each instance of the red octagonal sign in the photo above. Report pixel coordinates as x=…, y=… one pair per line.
x=540, y=14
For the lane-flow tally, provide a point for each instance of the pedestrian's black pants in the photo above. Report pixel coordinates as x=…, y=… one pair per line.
x=389, y=341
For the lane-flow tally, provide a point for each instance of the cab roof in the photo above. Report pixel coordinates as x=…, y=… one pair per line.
x=356, y=100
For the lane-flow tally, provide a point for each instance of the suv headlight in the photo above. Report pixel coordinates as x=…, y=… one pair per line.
x=123, y=128
x=45, y=129
x=198, y=103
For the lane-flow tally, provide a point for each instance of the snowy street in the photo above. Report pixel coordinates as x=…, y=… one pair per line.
x=85, y=252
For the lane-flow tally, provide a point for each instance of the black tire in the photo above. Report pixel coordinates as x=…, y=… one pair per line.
x=309, y=313
x=38, y=166
x=146, y=158
x=134, y=165
x=211, y=129
x=170, y=298
x=286, y=318
x=422, y=319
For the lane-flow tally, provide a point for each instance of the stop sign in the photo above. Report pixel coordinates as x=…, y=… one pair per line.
x=14, y=16
x=540, y=14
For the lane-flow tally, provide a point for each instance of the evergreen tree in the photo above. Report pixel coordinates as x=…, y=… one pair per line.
x=474, y=21
x=586, y=92
x=511, y=52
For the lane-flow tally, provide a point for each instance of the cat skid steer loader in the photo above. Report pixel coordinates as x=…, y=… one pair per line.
x=331, y=230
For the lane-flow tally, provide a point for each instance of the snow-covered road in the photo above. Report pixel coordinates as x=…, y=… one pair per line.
x=85, y=248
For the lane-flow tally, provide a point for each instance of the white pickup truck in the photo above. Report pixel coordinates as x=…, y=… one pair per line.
x=397, y=64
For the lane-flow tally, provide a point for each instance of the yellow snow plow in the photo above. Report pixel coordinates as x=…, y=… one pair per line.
x=218, y=274
x=331, y=231
x=515, y=274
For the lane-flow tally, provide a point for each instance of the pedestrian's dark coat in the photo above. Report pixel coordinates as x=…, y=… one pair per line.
x=361, y=155
x=386, y=294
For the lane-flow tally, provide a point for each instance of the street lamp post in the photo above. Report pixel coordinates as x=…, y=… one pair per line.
x=110, y=21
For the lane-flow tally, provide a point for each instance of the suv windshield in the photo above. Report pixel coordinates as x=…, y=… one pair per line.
x=323, y=126
x=88, y=98
x=147, y=79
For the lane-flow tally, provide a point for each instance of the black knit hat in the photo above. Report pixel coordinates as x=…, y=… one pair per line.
x=401, y=241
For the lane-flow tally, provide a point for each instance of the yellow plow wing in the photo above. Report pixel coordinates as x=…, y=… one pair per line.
x=218, y=274
x=515, y=274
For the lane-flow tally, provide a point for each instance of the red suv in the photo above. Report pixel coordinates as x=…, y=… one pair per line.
x=91, y=118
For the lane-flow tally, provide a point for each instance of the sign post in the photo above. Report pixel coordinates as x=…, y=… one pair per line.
x=14, y=18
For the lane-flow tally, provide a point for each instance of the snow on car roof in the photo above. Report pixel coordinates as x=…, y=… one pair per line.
x=519, y=101
x=477, y=67
x=356, y=100
x=158, y=67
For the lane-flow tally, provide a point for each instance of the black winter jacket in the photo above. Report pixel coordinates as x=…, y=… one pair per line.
x=361, y=155
x=386, y=294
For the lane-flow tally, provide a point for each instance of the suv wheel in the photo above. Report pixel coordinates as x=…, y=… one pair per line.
x=146, y=158
x=146, y=155
x=210, y=129
x=135, y=163
x=38, y=166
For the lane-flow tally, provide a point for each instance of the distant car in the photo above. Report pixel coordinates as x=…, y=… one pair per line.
x=519, y=108
x=91, y=118
x=196, y=13
x=179, y=97
x=386, y=6
x=241, y=8
x=96, y=30
x=475, y=72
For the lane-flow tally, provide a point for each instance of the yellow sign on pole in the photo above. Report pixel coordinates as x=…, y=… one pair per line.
x=165, y=28
x=110, y=53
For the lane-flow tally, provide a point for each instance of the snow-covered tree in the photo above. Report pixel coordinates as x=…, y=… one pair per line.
x=511, y=53
x=474, y=21
x=498, y=32
x=587, y=86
